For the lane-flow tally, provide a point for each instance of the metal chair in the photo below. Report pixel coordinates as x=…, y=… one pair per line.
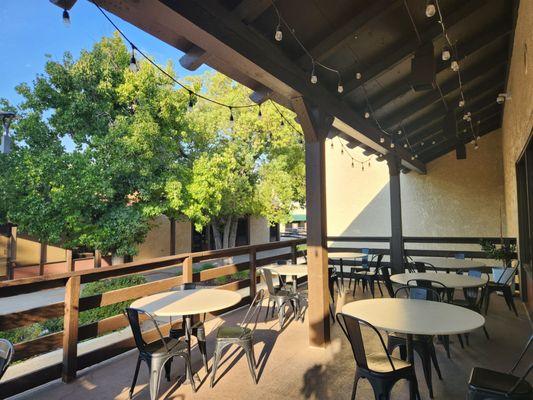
x=422, y=344
x=197, y=330
x=240, y=335
x=503, y=284
x=473, y=300
x=156, y=354
x=6, y=355
x=280, y=298
x=485, y=384
x=357, y=272
x=420, y=266
x=384, y=276
x=381, y=370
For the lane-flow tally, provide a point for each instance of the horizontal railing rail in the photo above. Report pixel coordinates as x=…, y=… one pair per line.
x=69, y=309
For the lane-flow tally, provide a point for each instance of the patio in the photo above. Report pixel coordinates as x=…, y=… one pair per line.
x=288, y=369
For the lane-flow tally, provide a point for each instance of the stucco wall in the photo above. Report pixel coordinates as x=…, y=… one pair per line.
x=28, y=252
x=259, y=230
x=518, y=111
x=157, y=243
x=455, y=197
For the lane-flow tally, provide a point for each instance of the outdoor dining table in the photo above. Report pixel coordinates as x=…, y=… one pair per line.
x=346, y=255
x=451, y=264
x=451, y=281
x=187, y=303
x=415, y=317
x=295, y=271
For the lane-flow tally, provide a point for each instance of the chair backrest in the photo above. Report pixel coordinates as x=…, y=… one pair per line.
x=252, y=315
x=459, y=256
x=384, y=272
x=417, y=293
x=6, y=355
x=133, y=315
x=528, y=370
x=424, y=267
x=351, y=326
x=508, y=273
x=267, y=273
x=364, y=260
x=437, y=287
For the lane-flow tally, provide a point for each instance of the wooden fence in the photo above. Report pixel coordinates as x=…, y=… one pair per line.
x=73, y=304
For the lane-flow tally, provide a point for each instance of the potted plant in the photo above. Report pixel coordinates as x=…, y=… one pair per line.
x=502, y=251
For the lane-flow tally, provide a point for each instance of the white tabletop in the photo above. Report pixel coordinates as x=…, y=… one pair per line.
x=451, y=263
x=419, y=317
x=347, y=255
x=448, y=280
x=187, y=302
x=297, y=270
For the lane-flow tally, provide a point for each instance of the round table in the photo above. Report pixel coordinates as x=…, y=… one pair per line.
x=415, y=317
x=451, y=281
x=451, y=264
x=293, y=270
x=187, y=303
x=344, y=256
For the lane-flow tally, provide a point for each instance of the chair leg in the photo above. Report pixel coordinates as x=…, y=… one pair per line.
x=426, y=366
x=446, y=344
x=155, y=379
x=168, y=366
x=354, y=389
x=281, y=315
x=460, y=337
x=379, y=287
x=371, y=286
x=433, y=355
x=467, y=337
x=487, y=300
x=249, y=350
x=216, y=360
x=267, y=310
x=188, y=366
x=509, y=299
x=202, y=346
x=135, y=375
x=486, y=332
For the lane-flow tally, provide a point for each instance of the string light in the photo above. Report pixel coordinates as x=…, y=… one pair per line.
x=454, y=66
x=430, y=8
x=133, y=62
x=231, y=119
x=461, y=103
x=340, y=88
x=314, y=78
x=191, y=103
x=66, y=17
x=446, y=53
x=259, y=114
x=381, y=139
x=367, y=114
x=279, y=34
x=353, y=160
x=358, y=76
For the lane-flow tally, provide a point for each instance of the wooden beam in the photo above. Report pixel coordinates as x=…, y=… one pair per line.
x=315, y=126
x=172, y=223
x=396, y=243
x=42, y=257
x=210, y=26
x=194, y=58
x=464, y=49
x=344, y=34
x=249, y=10
x=70, y=329
x=70, y=261
x=396, y=56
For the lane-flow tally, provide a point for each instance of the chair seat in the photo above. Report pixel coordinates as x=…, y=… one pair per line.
x=416, y=338
x=285, y=293
x=157, y=349
x=496, y=382
x=233, y=332
x=379, y=362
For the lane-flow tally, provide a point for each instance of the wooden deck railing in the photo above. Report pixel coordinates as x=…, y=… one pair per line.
x=73, y=304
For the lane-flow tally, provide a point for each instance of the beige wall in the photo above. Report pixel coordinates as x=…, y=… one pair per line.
x=455, y=197
x=259, y=230
x=157, y=242
x=28, y=252
x=518, y=111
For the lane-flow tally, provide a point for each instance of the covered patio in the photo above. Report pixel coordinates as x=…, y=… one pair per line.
x=418, y=87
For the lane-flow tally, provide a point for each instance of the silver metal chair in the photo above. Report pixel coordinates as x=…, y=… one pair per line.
x=280, y=298
x=156, y=354
x=6, y=355
x=241, y=335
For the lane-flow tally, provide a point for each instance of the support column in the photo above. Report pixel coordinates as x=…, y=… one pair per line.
x=396, y=243
x=315, y=126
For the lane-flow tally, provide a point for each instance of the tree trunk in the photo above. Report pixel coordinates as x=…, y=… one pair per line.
x=227, y=229
x=216, y=235
x=233, y=232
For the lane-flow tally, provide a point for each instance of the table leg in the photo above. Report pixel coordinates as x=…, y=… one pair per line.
x=342, y=273
x=295, y=283
x=411, y=360
x=188, y=326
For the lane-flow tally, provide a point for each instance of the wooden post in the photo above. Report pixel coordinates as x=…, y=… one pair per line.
x=253, y=273
x=172, y=236
x=396, y=243
x=97, y=259
x=70, y=329
x=42, y=257
x=187, y=270
x=70, y=261
x=294, y=254
x=316, y=126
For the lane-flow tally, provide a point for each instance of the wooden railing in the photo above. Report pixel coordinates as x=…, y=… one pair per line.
x=73, y=304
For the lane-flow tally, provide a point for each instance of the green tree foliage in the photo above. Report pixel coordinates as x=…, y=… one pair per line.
x=138, y=154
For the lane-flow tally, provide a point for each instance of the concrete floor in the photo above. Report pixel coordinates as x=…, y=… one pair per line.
x=289, y=369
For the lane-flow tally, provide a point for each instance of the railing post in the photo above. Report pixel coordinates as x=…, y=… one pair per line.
x=42, y=257
x=187, y=270
x=97, y=259
x=253, y=273
x=70, y=329
x=294, y=254
x=70, y=261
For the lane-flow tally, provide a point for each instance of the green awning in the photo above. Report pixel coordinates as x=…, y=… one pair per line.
x=298, y=218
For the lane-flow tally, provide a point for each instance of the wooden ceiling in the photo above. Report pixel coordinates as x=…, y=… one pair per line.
x=373, y=37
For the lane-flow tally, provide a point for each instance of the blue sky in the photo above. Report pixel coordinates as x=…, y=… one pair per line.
x=29, y=29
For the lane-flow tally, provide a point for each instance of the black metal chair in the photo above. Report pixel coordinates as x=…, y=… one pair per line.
x=503, y=284
x=370, y=277
x=384, y=276
x=240, y=335
x=197, y=330
x=420, y=266
x=6, y=355
x=473, y=300
x=485, y=384
x=156, y=354
x=280, y=298
x=357, y=272
x=333, y=280
x=422, y=344
x=381, y=369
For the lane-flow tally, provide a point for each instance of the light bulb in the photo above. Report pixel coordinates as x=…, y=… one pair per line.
x=430, y=9
x=340, y=88
x=133, y=62
x=478, y=137
x=412, y=157
x=231, y=119
x=461, y=103
x=399, y=132
x=314, y=78
x=446, y=55
x=476, y=147
x=66, y=18
x=382, y=139
x=282, y=123
x=455, y=66
x=416, y=155
x=259, y=114
x=358, y=76
x=473, y=141
x=279, y=34
x=392, y=145
x=367, y=114
x=191, y=104
x=405, y=145
x=433, y=142
x=421, y=143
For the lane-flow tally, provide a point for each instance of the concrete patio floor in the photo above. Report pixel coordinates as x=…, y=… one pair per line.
x=289, y=369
